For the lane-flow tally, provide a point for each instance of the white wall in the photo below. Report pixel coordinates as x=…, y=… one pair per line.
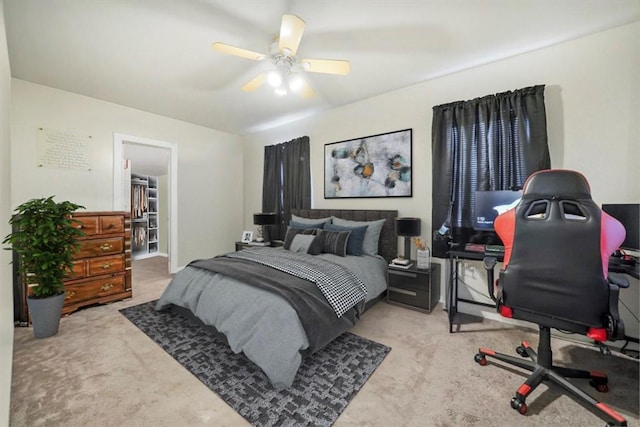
x=209, y=163
x=592, y=97
x=6, y=291
x=163, y=213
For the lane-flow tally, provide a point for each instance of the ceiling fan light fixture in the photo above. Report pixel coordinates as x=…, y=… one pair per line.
x=295, y=82
x=286, y=74
x=274, y=78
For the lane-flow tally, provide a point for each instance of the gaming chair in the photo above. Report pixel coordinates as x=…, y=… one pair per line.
x=555, y=274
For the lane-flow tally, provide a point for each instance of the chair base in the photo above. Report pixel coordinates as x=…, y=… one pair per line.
x=541, y=366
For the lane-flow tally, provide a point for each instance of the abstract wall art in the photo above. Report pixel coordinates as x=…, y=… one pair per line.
x=372, y=166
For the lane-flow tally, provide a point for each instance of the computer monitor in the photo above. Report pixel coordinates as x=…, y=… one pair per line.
x=629, y=215
x=489, y=204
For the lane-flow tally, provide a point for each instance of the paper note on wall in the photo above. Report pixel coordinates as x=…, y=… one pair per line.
x=61, y=149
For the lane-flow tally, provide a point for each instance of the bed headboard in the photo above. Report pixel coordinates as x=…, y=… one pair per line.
x=388, y=244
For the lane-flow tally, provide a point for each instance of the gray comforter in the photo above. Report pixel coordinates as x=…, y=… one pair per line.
x=261, y=323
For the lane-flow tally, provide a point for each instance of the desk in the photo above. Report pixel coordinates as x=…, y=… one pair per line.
x=456, y=255
x=615, y=266
x=452, y=287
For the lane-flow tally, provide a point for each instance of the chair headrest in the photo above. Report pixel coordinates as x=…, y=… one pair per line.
x=557, y=181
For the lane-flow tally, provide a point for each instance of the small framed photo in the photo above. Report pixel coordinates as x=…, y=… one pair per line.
x=247, y=236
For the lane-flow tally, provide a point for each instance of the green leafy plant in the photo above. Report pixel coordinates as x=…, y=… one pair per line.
x=45, y=236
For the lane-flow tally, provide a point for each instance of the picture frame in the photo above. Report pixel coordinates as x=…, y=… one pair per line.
x=371, y=166
x=247, y=237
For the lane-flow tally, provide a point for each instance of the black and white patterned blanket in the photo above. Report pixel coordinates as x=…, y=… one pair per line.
x=339, y=285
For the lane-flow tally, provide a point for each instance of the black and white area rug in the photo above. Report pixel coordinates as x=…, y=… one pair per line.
x=324, y=386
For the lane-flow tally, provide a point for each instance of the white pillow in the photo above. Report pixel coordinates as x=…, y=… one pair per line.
x=371, y=236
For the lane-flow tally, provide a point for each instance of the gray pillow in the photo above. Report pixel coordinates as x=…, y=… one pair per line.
x=335, y=242
x=292, y=232
x=302, y=220
x=371, y=236
x=301, y=243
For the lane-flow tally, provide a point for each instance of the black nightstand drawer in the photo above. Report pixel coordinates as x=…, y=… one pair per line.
x=409, y=297
x=414, y=288
x=408, y=279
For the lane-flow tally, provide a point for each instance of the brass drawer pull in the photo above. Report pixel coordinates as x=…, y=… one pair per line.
x=402, y=291
x=106, y=265
x=106, y=247
x=106, y=287
x=70, y=295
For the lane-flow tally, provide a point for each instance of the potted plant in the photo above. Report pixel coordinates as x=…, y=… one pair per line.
x=44, y=236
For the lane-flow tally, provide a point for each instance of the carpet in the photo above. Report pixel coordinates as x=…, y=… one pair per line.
x=324, y=386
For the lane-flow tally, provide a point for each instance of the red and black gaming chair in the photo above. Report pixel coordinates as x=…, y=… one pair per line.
x=555, y=274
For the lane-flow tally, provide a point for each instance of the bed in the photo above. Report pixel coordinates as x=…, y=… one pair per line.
x=263, y=303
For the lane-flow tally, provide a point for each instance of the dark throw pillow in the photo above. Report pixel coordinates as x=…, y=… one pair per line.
x=356, y=239
x=292, y=232
x=335, y=242
x=294, y=224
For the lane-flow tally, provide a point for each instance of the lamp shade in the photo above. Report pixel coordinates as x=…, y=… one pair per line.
x=265, y=219
x=408, y=227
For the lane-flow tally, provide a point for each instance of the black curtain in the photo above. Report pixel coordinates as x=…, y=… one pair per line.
x=489, y=143
x=286, y=182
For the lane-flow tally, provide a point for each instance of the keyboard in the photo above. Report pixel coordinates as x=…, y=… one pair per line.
x=494, y=249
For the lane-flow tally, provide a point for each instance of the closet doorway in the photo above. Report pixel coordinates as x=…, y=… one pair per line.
x=140, y=156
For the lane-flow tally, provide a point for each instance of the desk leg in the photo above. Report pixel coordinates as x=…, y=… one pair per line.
x=452, y=304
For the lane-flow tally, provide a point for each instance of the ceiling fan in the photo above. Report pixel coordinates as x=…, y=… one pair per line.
x=286, y=74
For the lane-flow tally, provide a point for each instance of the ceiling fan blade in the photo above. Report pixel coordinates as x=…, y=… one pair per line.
x=306, y=90
x=232, y=50
x=254, y=83
x=291, y=31
x=329, y=66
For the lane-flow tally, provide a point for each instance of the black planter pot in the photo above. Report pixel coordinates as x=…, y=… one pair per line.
x=45, y=315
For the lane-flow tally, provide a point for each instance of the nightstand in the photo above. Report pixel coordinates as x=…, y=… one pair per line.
x=242, y=245
x=413, y=287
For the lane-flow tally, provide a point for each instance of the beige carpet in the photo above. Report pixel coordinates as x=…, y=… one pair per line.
x=100, y=370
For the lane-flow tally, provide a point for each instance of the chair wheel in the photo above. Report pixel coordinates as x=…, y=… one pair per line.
x=519, y=405
x=522, y=351
x=602, y=387
x=480, y=359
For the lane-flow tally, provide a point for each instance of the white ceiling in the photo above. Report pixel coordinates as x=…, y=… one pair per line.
x=156, y=56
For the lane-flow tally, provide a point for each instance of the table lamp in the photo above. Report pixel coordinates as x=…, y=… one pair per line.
x=264, y=220
x=407, y=228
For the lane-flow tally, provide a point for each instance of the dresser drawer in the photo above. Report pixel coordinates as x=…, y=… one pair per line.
x=88, y=224
x=111, y=224
x=105, y=265
x=94, y=289
x=78, y=271
x=97, y=247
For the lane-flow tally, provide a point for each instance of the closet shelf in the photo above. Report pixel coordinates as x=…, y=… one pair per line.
x=144, y=214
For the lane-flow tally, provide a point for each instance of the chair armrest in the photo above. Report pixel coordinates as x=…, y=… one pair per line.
x=615, y=325
x=489, y=264
x=619, y=280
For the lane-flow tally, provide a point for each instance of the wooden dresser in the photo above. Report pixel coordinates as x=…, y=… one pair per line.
x=102, y=266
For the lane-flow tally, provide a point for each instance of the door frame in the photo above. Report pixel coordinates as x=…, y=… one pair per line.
x=119, y=140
